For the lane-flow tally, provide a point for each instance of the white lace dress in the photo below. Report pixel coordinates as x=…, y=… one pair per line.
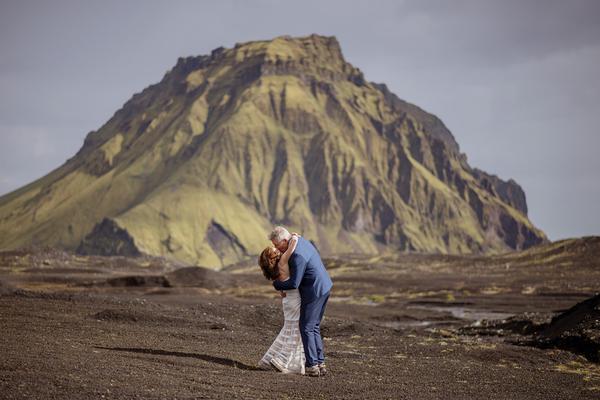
x=287, y=352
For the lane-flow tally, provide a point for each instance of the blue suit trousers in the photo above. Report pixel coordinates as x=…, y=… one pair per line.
x=311, y=315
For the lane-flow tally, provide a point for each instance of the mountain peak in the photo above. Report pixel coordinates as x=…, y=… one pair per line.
x=312, y=55
x=294, y=48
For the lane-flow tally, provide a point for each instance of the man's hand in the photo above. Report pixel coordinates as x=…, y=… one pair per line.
x=282, y=293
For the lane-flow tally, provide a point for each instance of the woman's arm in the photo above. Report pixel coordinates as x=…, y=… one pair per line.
x=284, y=268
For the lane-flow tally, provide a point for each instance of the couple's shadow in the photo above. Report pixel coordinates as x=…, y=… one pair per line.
x=204, y=357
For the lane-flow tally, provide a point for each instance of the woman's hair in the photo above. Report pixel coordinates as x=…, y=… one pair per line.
x=268, y=262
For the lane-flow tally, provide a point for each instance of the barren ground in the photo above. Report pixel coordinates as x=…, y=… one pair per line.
x=96, y=327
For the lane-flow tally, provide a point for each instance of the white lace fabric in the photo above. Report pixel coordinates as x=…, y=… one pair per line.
x=287, y=352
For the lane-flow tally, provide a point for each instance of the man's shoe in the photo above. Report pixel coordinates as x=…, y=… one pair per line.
x=313, y=371
x=322, y=369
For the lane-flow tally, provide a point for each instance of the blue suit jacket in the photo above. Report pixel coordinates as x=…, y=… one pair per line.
x=307, y=273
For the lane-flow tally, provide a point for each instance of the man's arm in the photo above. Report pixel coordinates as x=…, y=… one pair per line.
x=296, y=275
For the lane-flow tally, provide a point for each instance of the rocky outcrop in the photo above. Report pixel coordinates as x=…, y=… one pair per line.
x=577, y=330
x=107, y=239
x=509, y=191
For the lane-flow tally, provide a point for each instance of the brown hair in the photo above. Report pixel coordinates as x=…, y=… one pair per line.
x=268, y=262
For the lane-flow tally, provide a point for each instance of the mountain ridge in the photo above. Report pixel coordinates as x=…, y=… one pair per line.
x=199, y=165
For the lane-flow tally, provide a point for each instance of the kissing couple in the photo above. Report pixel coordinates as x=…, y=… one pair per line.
x=296, y=269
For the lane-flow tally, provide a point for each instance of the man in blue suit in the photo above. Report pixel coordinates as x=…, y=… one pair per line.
x=309, y=276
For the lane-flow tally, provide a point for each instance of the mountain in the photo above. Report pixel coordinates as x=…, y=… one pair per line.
x=199, y=166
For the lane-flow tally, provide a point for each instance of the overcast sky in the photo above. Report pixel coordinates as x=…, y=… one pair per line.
x=517, y=82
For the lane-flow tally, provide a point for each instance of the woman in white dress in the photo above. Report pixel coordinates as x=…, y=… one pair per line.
x=287, y=352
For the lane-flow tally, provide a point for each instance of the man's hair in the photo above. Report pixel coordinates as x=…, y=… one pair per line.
x=279, y=234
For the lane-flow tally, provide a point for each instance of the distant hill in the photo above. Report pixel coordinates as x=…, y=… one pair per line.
x=199, y=166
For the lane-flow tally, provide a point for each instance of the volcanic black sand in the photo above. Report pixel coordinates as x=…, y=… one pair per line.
x=402, y=326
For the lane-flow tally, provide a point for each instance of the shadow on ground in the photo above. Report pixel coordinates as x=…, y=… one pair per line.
x=204, y=357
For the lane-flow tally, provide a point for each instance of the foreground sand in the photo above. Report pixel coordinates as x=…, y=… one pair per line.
x=74, y=327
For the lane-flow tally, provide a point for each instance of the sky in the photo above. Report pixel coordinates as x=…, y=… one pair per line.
x=516, y=82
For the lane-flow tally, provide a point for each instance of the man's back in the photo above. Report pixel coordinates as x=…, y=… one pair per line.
x=315, y=281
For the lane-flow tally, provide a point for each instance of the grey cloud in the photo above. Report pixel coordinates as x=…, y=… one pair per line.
x=498, y=33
